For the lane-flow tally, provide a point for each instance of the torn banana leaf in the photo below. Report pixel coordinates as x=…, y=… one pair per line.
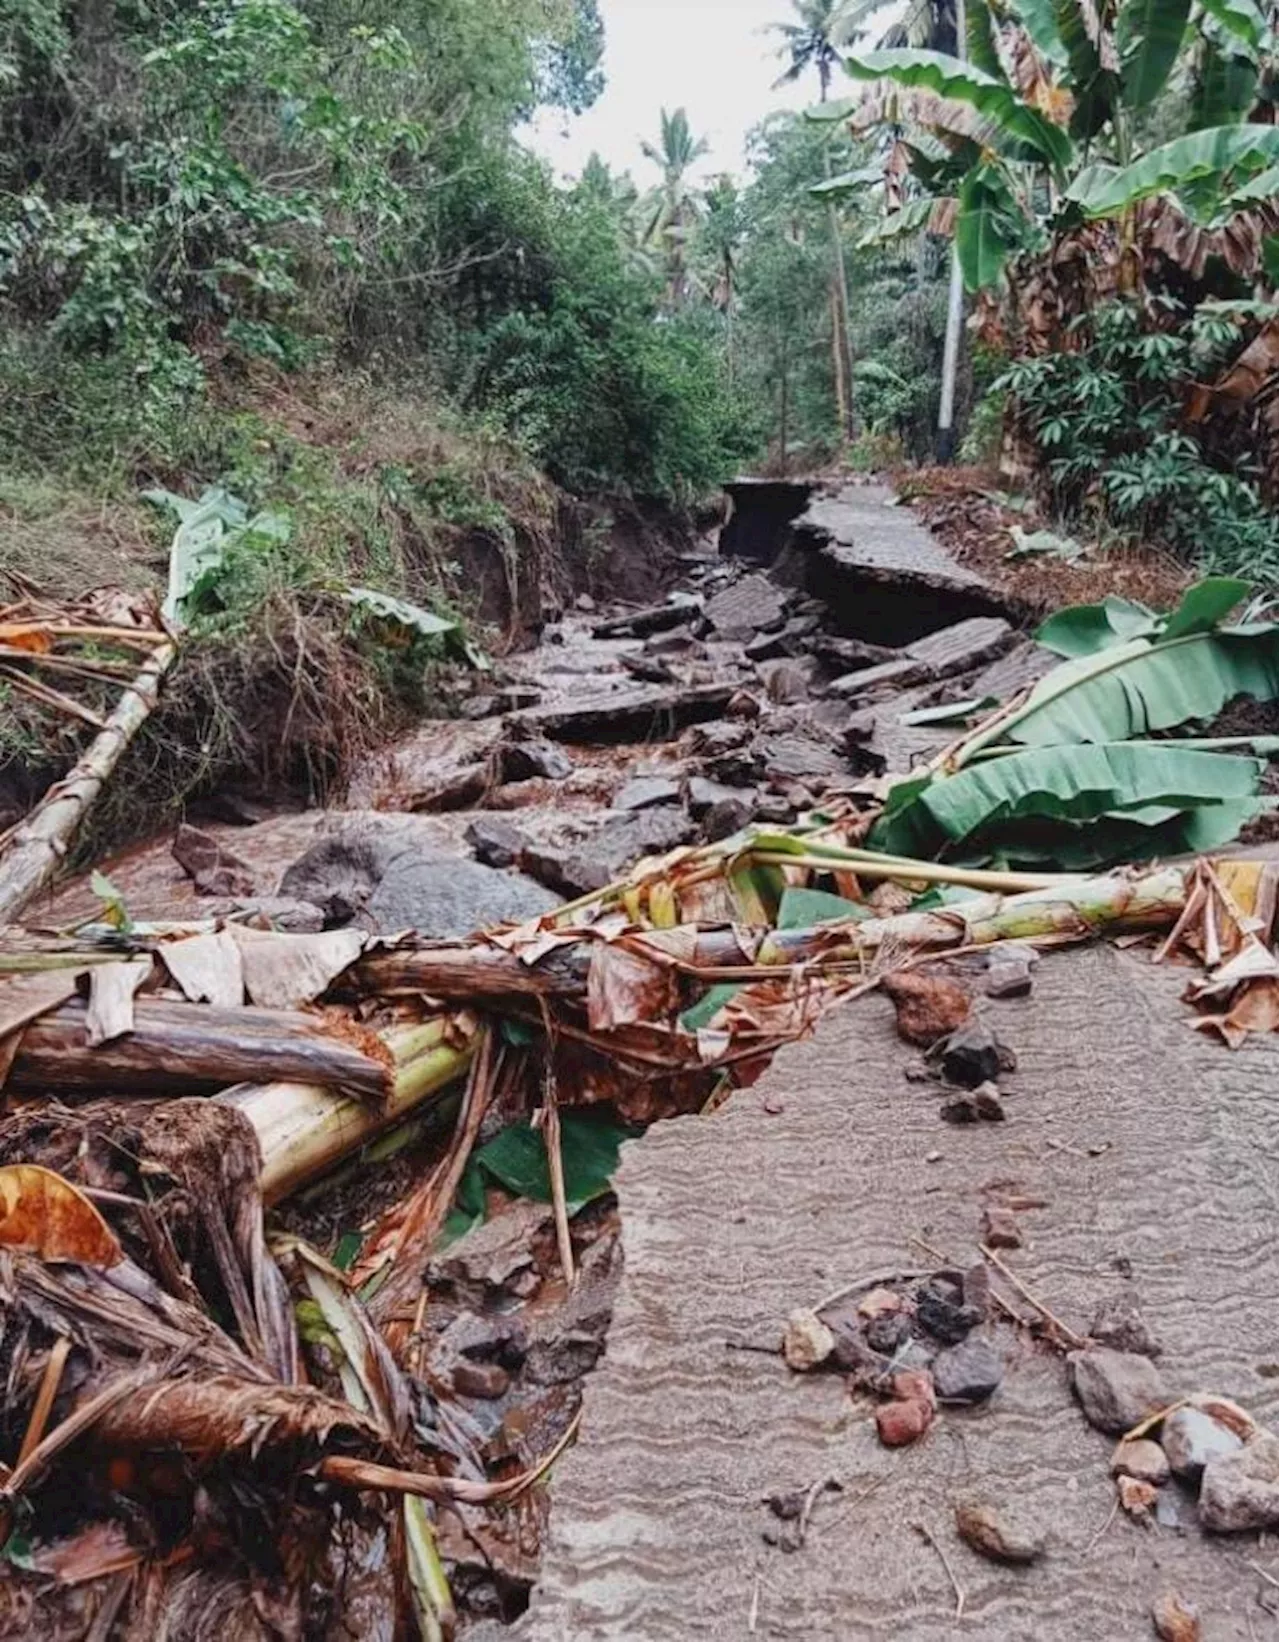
x=1081, y=805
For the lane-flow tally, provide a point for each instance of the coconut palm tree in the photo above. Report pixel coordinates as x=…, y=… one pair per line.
x=675, y=204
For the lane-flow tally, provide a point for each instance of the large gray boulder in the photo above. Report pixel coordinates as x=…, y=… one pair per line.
x=387, y=872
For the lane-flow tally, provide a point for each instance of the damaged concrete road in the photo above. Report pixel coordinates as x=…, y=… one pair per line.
x=1153, y=1165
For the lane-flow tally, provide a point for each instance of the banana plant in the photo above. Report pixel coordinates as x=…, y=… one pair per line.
x=1079, y=769
x=1040, y=123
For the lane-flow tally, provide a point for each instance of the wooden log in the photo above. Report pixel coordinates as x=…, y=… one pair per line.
x=183, y=1048
x=464, y=972
x=37, y=848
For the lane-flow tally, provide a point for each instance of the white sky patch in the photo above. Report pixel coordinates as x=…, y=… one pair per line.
x=714, y=58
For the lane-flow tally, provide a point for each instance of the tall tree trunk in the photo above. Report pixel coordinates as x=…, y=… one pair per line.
x=782, y=411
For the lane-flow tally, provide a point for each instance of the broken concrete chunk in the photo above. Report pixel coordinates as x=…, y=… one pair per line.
x=1191, y=1438
x=495, y=842
x=647, y=713
x=642, y=792
x=1116, y=1389
x=214, y=869
x=746, y=606
x=1000, y=1532
x=889, y=675
x=963, y=645
x=577, y=868
x=1240, y=1492
x=532, y=760
x=678, y=611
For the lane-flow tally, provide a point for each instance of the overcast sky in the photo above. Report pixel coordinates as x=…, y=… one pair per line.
x=714, y=58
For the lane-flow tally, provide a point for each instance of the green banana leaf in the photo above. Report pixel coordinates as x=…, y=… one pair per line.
x=1093, y=80
x=1140, y=686
x=1084, y=629
x=1225, y=88
x=1142, y=784
x=1101, y=191
x=986, y=227
x=1148, y=37
x=1039, y=19
x=1034, y=136
x=980, y=38
x=1242, y=18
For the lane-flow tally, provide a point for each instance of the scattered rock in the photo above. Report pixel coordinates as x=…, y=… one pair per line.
x=1009, y=971
x=998, y=1532
x=959, y=1109
x=943, y=1311
x=533, y=759
x=807, y=1342
x=875, y=681
x=678, y=611
x=1174, y=1619
x=701, y=794
x=1119, y=1322
x=879, y=1302
x=566, y=1343
x=213, y=869
x=644, y=791
x=492, y=1258
x=787, y=680
x=886, y=1333
x=900, y=1422
x=1116, y=1389
x=928, y=1006
x=1190, y=1438
x=918, y=1071
x=970, y=1055
x=1226, y=1413
x=494, y=841
x=968, y=1372
x=746, y=606
x=914, y=1385
x=577, y=868
x=987, y=1103
x=483, y=1380
x=1000, y=1229
x=1137, y=1497
x=727, y=816
x=1141, y=1458
x=1240, y=1492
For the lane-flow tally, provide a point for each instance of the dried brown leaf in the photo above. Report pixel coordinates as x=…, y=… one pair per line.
x=41, y=1213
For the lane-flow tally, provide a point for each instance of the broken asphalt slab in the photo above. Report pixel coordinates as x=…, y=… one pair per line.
x=818, y=1175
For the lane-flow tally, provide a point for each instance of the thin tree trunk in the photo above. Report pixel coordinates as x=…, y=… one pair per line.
x=782, y=412
x=40, y=844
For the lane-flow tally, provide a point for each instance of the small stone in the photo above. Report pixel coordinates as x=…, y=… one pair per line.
x=585, y=602
x=1140, y=1458
x=495, y=841
x=1116, y=1389
x=1119, y=1322
x=914, y=1385
x=1136, y=1497
x=971, y=1055
x=787, y=1506
x=807, y=1341
x=1009, y=971
x=1240, y=1492
x=987, y=1103
x=725, y=817
x=1190, y=1439
x=933, y=1157
x=481, y=1380
x=940, y=1308
x=1167, y=1514
x=885, y=1334
x=644, y=791
x=968, y=1372
x=527, y=760
x=901, y=1423
x=928, y=1006
x=959, y=1109
x=916, y=1071
x=1000, y=1229
x=1174, y=1619
x=879, y=1302
x=701, y=794
x=998, y=1532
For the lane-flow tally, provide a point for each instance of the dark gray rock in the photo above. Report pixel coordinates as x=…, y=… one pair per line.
x=387, y=873
x=871, y=681
x=970, y=1055
x=1119, y=1322
x=787, y=680
x=701, y=793
x=1116, y=1389
x=885, y=1334
x=1191, y=1438
x=1009, y=971
x=727, y=816
x=941, y=1309
x=1239, y=1492
x=214, y=869
x=644, y=791
x=746, y=606
x=494, y=841
x=968, y=1372
x=576, y=869
x=797, y=758
x=963, y=645
x=535, y=758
